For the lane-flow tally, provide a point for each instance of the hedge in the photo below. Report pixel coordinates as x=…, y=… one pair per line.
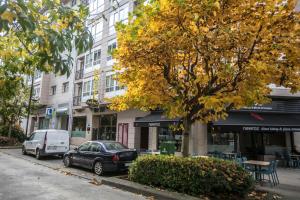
x=16, y=133
x=194, y=176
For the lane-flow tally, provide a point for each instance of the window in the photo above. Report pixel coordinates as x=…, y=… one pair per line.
x=88, y=60
x=89, y=88
x=116, y=146
x=112, y=45
x=97, y=30
x=53, y=90
x=96, y=6
x=97, y=57
x=65, y=87
x=86, y=89
x=36, y=92
x=114, y=17
x=121, y=15
x=37, y=74
x=73, y=3
x=95, y=147
x=124, y=14
x=111, y=84
x=84, y=147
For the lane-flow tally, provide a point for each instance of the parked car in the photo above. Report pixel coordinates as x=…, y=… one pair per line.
x=47, y=142
x=101, y=156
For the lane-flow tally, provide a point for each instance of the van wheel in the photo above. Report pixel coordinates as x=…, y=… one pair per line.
x=24, y=150
x=67, y=161
x=98, y=168
x=38, y=154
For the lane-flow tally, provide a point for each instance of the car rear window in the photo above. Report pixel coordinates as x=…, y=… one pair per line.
x=114, y=146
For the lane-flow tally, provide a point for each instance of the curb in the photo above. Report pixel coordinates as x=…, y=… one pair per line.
x=145, y=190
x=10, y=147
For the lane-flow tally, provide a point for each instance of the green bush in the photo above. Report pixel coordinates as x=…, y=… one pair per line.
x=194, y=176
x=16, y=133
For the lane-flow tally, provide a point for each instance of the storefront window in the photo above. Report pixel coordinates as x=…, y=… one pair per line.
x=166, y=134
x=107, y=128
x=220, y=142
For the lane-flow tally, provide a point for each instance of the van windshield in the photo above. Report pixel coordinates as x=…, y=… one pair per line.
x=114, y=146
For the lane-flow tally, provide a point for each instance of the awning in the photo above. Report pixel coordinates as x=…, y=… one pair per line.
x=258, y=122
x=155, y=119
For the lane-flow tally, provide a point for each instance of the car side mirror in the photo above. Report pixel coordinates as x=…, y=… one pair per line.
x=75, y=149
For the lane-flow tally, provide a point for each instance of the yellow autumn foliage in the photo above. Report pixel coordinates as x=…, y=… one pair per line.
x=197, y=59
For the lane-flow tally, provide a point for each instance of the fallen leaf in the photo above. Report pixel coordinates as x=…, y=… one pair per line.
x=95, y=182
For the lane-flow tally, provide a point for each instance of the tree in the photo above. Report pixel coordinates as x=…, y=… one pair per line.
x=13, y=95
x=198, y=59
x=41, y=34
x=38, y=35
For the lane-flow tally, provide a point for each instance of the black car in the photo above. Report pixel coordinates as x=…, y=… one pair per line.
x=101, y=156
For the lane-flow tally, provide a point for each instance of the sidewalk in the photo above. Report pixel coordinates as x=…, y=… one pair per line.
x=289, y=186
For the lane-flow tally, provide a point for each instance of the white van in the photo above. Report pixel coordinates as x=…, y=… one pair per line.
x=47, y=142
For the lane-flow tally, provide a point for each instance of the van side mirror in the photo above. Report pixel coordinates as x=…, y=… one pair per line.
x=75, y=149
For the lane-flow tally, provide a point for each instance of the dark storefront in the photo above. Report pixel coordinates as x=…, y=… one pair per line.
x=260, y=132
x=163, y=129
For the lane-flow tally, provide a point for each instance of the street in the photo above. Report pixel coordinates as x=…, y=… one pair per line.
x=21, y=177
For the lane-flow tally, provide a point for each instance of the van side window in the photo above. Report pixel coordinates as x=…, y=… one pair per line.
x=84, y=147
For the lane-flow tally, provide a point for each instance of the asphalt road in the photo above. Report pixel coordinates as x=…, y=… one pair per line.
x=24, y=178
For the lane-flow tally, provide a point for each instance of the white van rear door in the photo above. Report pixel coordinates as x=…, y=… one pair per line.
x=57, y=141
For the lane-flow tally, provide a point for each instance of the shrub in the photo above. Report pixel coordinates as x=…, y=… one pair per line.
x=5, y=141
x=194, y=176
x=16, y=133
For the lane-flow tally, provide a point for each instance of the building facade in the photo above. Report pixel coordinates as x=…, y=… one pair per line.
x=77, y=103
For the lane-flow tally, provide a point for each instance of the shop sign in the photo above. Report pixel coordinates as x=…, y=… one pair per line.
x=271, y=129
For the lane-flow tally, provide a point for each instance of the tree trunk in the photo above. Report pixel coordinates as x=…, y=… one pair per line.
x=185, y=137
x=9, y=130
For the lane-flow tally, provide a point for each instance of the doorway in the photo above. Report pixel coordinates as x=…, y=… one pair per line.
x=144, y=142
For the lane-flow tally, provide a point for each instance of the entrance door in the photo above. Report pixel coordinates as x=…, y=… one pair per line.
x=123, y=133
x=144, y=138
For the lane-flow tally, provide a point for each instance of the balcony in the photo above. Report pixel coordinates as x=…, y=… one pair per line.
x=79, y=74
x=77, y=101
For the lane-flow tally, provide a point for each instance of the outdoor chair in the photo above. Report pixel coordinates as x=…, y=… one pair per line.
x=291, y=162
x=271, y=172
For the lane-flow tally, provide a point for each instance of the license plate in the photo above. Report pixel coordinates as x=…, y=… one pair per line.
x=127, y=164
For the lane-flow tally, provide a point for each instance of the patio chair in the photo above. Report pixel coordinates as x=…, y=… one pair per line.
x=289, y=161
x=270, y=172
x=275, y=171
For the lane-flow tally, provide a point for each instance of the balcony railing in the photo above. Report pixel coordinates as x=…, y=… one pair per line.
x=79, y=74
x=76, y=101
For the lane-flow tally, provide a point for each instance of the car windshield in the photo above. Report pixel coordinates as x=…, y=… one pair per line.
x=114, y=146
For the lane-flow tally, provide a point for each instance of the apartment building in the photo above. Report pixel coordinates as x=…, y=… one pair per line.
x=77, y=103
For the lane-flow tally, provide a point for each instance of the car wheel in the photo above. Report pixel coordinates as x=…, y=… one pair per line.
x=24, y=150
x=98, y=168
x=67, y=161
x=38, y=154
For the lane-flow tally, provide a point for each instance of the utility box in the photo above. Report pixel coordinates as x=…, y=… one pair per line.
x=167, y=148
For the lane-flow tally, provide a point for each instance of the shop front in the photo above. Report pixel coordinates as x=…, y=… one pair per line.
x=256, y=133
x=156, y=129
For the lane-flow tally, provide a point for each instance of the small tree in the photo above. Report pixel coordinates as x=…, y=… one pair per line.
x=198, y=59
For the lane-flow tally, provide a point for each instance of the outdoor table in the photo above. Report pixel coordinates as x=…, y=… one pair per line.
x=257, y=165
x=296, y=156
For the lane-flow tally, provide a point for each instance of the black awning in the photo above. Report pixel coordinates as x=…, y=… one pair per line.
x=258, y=122
x=155, y=119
